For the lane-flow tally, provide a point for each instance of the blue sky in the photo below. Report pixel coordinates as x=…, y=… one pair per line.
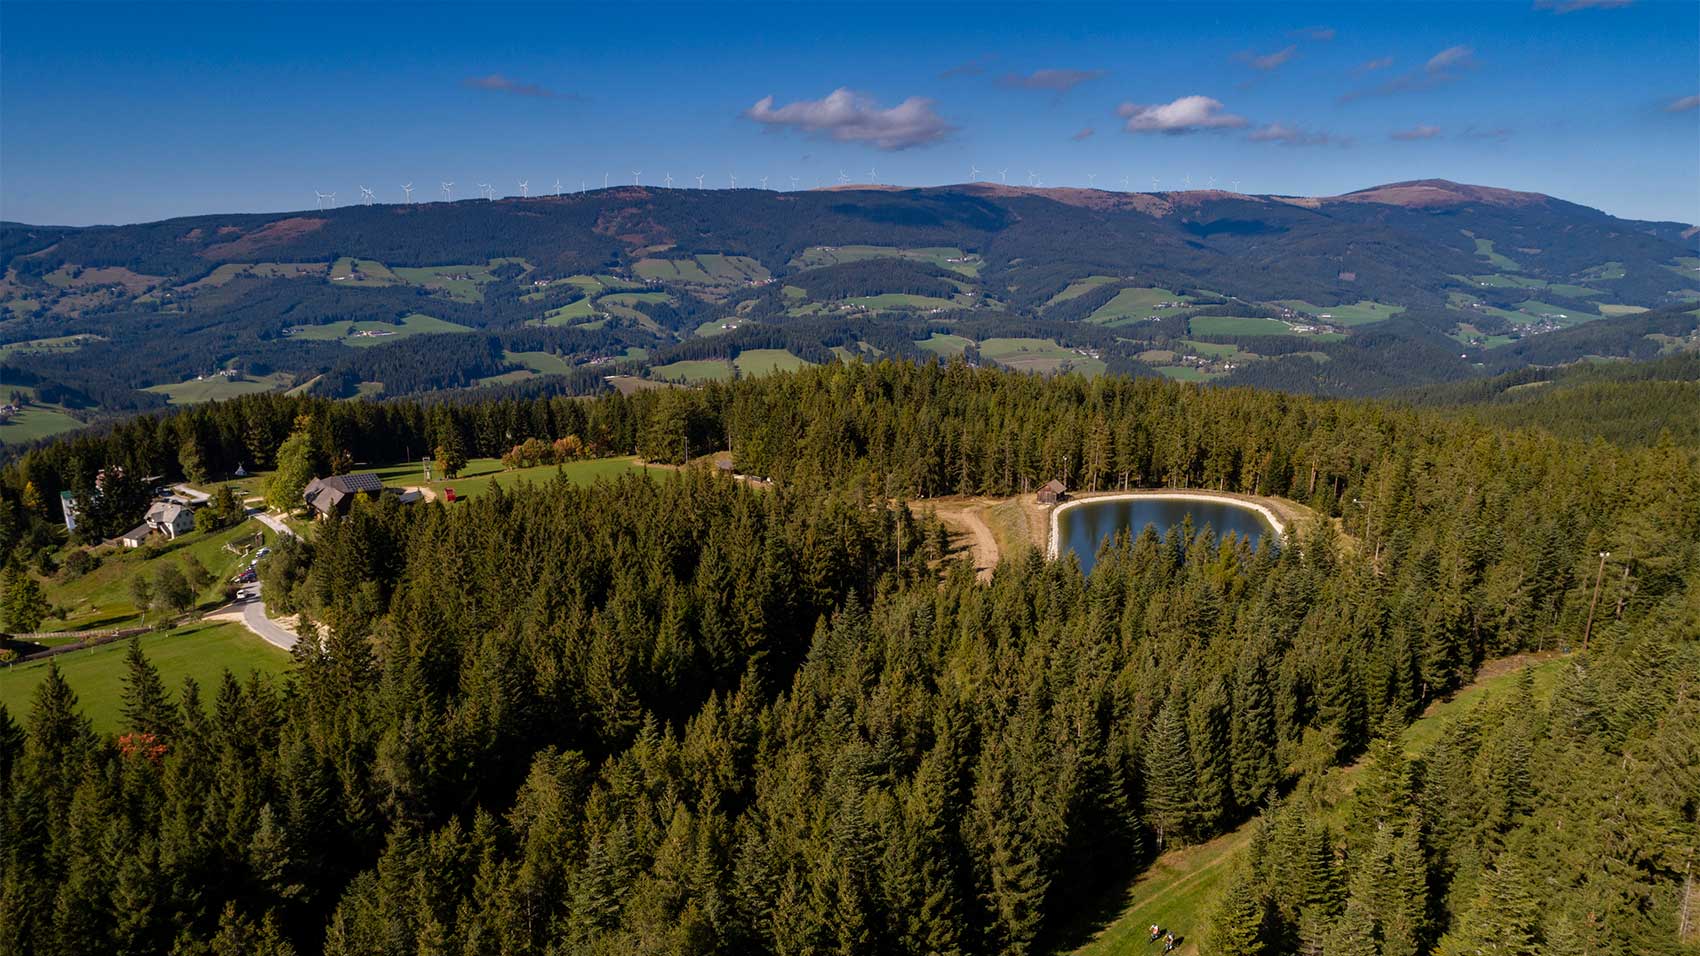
x=135, y=112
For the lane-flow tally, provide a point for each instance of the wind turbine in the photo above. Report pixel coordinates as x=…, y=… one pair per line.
x=448, y=192
x=332, y=198
x=635, y=174
x=734, y=178
x=1124, y=183
x=793, y=184
x=764, y=182
x=668, y=179
x=321, y=198
x=1213, y=182
x=1032, y=177
x=1003, y=174
x=1091, y=180
x=1153, y=183
x=973, y=173
x=365, y=195
x=1236, y=185
x=484, y=190
x=604, y=180
x=873, y=175
x=1186, y=181
x=557, y=185
x=408, y=189
x=699, y=180
x=842, y=179
x=525, y=189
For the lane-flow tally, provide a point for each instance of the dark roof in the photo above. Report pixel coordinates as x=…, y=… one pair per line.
x=326, y=494
x=1053, y=485
x=138, y=532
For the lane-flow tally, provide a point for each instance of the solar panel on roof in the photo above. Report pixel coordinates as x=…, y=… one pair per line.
x=365, y=481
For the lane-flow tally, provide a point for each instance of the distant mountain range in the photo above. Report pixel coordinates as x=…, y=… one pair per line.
x=1386, y=287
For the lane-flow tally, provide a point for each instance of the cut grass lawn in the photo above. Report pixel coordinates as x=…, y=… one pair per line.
x=1180, y=888
x=1246, y=325
x=1188, y=373
x=217, y=388
x=1215, y=350
x=203, y=650
x=1484, y=248
x=480, y=473
x=1607, y=308
x=36, y=422
x=1135, y=305
x=362, y=272
x=752, y=362
x=376, y=333
x=1570, y=315
x=101, y=598
x=572, y=313
x=694, y=371
x=1359, y=313
x=1080, y=287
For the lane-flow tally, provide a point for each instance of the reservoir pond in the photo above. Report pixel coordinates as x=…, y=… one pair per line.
x=1082, y=527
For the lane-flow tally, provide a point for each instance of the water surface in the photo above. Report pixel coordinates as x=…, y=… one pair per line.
x=1083, y=527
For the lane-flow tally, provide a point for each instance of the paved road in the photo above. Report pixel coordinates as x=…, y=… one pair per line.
x=276, y=524
x=254, y=617
x=198, y=497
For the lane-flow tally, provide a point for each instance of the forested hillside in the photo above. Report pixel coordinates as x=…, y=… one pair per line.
x=697, y=715
x=1366, y=293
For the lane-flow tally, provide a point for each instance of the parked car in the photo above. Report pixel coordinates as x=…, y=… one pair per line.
x=262, y=553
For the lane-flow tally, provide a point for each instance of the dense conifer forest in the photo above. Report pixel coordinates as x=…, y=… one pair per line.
x=695, y=714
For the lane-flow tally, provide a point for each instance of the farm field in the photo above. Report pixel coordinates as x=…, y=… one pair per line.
x=570, y=314
x=900, y=300
x=217, y=387
x=376, y=333
x=704, y=269
x=1188, y=373
x=1215, y=350
x=1571, y=314
x=1608, y=309
x=36, y=422
x=1467, y=334
x=463, y=283
x=1180, y=887
x=1134, y=305
x=1039, y=355
x=1080, y=287
x=763, y=361
x=1484, y=248
x=1363, y=312
x=480, y=473
x=694, y=371
x=265, y=270
x=101, y=598
x=203, y=650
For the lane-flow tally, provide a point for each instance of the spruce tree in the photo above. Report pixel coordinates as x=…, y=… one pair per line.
x=1170, y=792
x=147, y=706
x=1237, y=925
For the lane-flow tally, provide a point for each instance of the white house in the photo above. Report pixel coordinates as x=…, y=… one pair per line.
x=170, y=518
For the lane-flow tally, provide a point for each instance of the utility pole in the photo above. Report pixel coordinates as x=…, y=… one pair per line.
x=1589, y=630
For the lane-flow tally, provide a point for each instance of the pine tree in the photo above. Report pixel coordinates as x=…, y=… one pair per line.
x=1254, y=738
x=1170, y=794
x=147, y=706
x=1236, y=928
x=1504, y=918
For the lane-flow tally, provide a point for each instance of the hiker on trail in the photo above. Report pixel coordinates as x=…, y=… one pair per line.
x=1168, y=942
x=1156, y=931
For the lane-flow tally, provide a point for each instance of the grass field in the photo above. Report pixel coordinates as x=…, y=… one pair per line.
x=1484, y=248
x=899, y=300
x=463, y=283
x=36, y=422
x=751, y=362
x=1039, y=355
x=362, y=272
x=543, y=363
x=707, y=269
x=1359, y=313
x=415, y=324
x=1603, y=272
x=60, y=343
x=1188, y=373
x=1238, y=325
x=1497, y=281
x=694, y=371
x=480, y=473
x=1607, y=308
x=203, y=651
x=1571, y=314
x=1218, y=351
x=217, y=388
x=101, y=598
x=817, y=256
x=570, y=314
x=1080, y=287
x=1179, y=889
x=1466, y=334
x=944, y=344
x=1134, y=305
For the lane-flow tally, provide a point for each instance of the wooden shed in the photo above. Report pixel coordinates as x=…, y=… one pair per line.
x=1052, y=492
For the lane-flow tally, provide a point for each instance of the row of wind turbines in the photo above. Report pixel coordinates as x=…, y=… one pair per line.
x=488, y=190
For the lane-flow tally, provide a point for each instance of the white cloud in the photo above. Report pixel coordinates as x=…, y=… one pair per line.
x=1057, y=81
x=1421, y=131
x=851, y=117
x=1269, y=61
x=1185, y=115
x=1452, y=56
x=1291, y=136
x=1370, y=66
x=1683, y=104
